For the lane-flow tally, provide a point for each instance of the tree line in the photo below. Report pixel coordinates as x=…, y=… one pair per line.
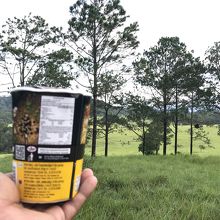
x=98, y=52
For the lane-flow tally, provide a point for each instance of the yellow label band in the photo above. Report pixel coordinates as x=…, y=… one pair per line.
x=44, y=182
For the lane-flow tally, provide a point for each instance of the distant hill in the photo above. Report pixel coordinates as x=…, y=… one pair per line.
x=5, y=103
x=201, y=117
x=5, y=110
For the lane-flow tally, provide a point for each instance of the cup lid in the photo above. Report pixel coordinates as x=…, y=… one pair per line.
x=49, y=90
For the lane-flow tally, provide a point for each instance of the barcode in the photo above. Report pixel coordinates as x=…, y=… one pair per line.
x=20, y=152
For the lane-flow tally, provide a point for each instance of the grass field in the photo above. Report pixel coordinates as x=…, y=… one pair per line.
x=5, y=163
x=155, y=187
x=126, y=144
x=132, y=186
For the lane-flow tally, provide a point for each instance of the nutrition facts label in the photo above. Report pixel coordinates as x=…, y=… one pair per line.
x=56, y=120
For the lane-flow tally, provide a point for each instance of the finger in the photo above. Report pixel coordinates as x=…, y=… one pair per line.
x=87, y=187
x=8, y=191
x=86, y=173
x=57, y=211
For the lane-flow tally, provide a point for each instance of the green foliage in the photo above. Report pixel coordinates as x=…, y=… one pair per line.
x=145, y=122
x=195, y=75
x=5, y=138
x=157, y=66
x=56, y=71
x=157, y=69
x=153, y=138
x=219, y=130
x=213, y=68
x=5, y=124
x=138, y=113
x=212, y=58
x=202, y=136
x=98, y=36
x=5, y=103
x=110, y=85
x=25, y=46
x=173, y=74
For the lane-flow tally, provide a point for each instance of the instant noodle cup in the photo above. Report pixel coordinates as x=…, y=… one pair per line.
x=49, y=136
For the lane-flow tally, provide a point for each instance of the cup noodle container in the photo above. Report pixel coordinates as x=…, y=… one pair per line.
x=49, y=136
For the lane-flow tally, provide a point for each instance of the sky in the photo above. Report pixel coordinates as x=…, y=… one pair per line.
x=195, y=22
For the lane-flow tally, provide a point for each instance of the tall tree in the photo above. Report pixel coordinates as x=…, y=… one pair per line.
x=98, y=35
x=184, y=60
x=143, y=121
x=156, y=70
x=110, y=86
x=25, y=45
x=193, y=86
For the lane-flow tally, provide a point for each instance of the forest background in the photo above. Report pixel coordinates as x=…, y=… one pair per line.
x=150, y=94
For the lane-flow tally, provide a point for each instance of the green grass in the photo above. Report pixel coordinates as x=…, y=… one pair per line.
x=154, y=187
x=126, y=143
x=184, y=141
x=5, y=163
x=132, y=186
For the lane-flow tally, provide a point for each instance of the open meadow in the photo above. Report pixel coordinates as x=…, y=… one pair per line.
x=126, y=143
x=132, y=186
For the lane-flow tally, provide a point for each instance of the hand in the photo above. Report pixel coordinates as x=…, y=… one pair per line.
x=12, y=209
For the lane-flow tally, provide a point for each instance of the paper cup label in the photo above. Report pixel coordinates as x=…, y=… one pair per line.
x=49, y=132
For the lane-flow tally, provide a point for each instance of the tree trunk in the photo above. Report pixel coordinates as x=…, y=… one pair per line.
x=176, y=124
x=22, y=67
x=106, y=132
x=143, y=142
x=22, y=77
x=191, y=125
x=165, y=126
x=95, y=89
x=94, y=129
x=165, y=111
